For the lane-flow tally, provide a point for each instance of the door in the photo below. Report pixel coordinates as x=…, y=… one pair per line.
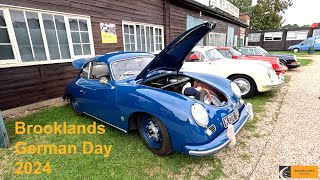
x=305, y=45
x=98, y=99
x=317, y=44
x=230, y=36
x=192, y=22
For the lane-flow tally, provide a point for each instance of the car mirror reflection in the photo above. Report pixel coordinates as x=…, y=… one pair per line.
x=104, y=80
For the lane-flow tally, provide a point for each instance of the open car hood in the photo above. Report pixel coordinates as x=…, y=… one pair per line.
x=171, y=58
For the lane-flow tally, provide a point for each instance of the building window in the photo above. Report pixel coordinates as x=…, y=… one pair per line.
x=272, y=36
x=235, y=43
x=5, y=43
x=142, y=37
x=254, y=37
x=56, y=36
x=316, y=32
x=241, y=41
x=37, y=37
x=297, y=35
x=80, y=36
x=217, y=39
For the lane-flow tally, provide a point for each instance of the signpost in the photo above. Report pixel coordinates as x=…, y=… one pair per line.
x=4, y=139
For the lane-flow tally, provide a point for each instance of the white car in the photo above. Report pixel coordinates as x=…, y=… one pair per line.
x=250, y=76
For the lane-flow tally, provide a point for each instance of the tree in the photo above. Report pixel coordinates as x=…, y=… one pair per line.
x=290, y=26
x=268, y=14
x=243, y=5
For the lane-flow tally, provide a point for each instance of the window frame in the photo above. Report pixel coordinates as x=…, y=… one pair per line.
x=17, y=62
x=211, y=38
x=273, y=36
x=251, y=35
x=12, y=36
x=296, y=35
x=317, y=32
x=153, y=26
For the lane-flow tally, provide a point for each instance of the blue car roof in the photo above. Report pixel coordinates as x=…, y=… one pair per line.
x=109, y=58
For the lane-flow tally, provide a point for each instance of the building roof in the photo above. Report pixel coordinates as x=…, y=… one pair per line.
x=219, y=14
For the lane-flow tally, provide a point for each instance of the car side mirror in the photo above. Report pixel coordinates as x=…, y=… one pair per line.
x=104, y=80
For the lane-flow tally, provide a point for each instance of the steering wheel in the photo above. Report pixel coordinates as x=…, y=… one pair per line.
x=127, y=73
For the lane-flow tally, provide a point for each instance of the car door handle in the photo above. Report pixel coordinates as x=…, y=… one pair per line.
x=82, y=91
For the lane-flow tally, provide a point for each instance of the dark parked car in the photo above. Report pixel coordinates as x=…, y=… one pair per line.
x=289, y=60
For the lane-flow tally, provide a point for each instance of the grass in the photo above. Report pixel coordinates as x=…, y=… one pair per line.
x=305, y=62
x=129, y=158
x=258, y=102
x=300, y=53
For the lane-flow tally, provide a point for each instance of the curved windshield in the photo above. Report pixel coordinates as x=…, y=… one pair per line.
x=262, y=50
x=213, y=55
x=236, y=52
x=127, y=68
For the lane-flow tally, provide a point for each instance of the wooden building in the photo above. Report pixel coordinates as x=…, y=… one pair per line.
x=39, y=39
x=280, y=39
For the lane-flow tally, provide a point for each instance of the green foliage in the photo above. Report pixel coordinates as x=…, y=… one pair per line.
x=268, y=14
x=243, y=5
x=290, y=26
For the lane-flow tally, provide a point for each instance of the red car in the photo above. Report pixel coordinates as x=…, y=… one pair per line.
x=230, y=52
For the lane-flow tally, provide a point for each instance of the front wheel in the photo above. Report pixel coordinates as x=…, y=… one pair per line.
x=246, y=84
x=295, y=50
x=75, y=106
x=155, y=135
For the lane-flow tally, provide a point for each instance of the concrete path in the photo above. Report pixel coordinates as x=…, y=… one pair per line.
x=295, y=139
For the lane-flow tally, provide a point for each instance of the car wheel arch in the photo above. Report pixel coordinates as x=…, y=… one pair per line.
x=253, y=89
x=233, y=75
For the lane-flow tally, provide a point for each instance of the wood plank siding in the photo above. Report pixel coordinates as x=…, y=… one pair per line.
x=29, y=84
x=178, y=16
x=25, y=85
x=282, y=45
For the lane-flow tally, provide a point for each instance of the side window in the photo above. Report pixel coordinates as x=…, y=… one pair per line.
x=223, y=52
x=251, y=51
x=309, y=42
x=85, y=71
x=228, y=54
x=255, y=52
x=244, y=51
x=99, y=70
x=202, y=58
x=193, y=57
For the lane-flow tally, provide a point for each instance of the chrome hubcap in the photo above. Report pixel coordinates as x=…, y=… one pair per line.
x=243, y=84
x=153, y=130
x=75, y=104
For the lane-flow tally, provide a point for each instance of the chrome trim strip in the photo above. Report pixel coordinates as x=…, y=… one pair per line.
x=274, y=85
x=105, y=122
x=212, y=151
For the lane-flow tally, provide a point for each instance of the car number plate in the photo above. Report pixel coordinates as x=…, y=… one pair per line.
x=231, y=118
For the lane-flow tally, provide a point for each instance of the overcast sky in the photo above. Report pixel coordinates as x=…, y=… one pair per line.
x=302, y=12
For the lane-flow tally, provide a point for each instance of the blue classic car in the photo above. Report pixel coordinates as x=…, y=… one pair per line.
x=197, y=114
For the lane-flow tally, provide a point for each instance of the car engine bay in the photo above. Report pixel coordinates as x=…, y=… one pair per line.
x=189, y=87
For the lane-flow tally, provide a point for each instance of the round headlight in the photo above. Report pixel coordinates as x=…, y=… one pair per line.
x=236, y=90
x=200, y=115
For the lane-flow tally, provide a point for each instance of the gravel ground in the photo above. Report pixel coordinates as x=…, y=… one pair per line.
x=288, y=133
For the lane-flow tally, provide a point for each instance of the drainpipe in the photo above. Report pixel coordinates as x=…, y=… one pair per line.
x=4, y=140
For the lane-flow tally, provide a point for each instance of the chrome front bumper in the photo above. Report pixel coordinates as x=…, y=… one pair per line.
x=277, y=83
x=222, y=140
